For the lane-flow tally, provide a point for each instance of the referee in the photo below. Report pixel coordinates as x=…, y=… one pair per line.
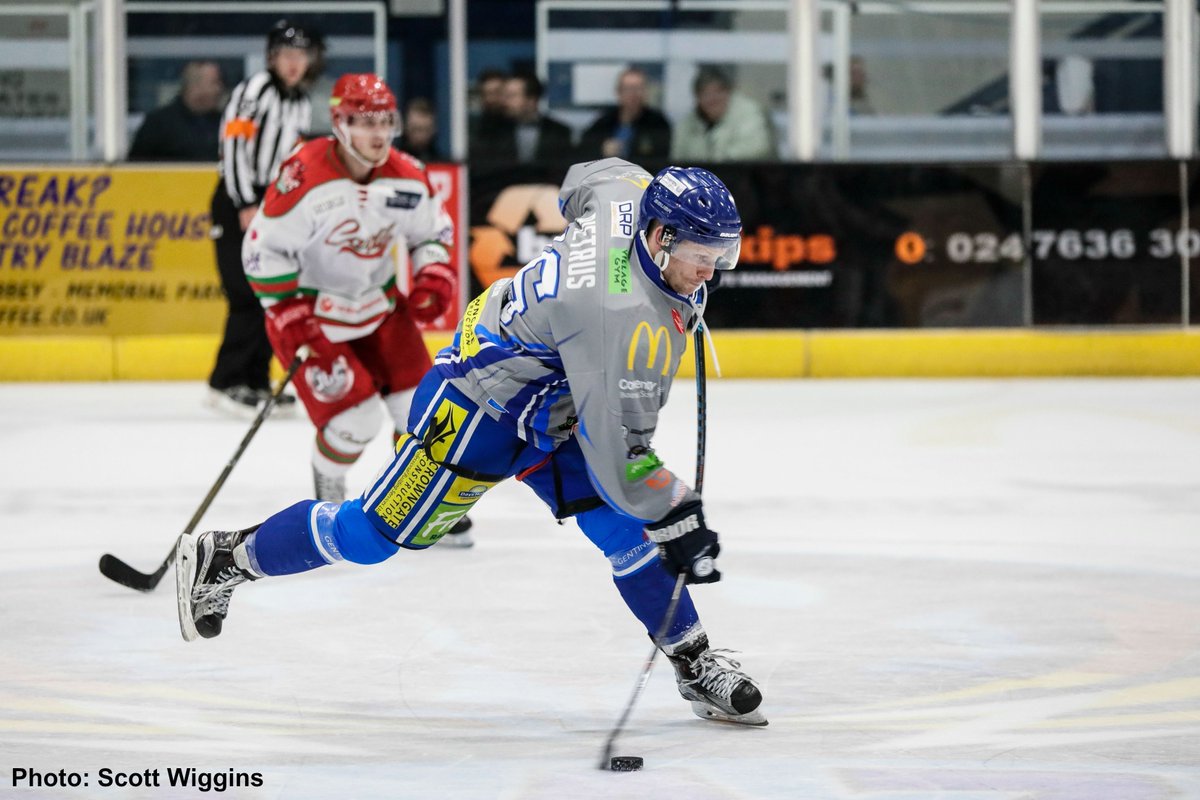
x=268, y=114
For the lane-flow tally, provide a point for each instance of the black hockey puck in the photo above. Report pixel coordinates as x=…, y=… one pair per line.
x=625, y=763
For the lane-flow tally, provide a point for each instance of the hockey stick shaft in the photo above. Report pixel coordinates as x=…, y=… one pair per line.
x=117, y=570
x=677, y=594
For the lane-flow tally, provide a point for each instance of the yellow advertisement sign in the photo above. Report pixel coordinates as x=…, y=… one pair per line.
x=107, y=251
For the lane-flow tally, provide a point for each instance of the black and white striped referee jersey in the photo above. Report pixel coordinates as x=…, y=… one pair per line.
x=262, y=123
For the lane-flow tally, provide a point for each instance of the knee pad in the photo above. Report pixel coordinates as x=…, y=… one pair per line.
x=342, y=440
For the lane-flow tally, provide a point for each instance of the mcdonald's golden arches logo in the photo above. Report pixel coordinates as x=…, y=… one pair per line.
x=656, y=337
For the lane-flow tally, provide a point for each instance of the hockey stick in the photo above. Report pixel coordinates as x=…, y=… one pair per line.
x=673, y=606
x=117, y=570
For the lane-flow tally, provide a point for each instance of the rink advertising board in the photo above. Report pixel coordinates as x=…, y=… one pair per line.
x=824, y=245
x=1107, y=243
x=848, y=246
x=90, y=251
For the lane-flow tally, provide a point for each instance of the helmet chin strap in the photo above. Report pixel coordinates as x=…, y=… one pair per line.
x=661, y=259
x=343, y=137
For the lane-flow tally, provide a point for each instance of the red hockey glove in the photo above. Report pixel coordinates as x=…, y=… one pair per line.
x=291, y=323
x=685, y=544
x=432, y=291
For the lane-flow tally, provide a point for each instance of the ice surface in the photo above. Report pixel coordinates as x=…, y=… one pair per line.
x=947, y=589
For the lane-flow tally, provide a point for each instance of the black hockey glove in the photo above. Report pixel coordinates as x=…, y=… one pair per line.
x=685, y=544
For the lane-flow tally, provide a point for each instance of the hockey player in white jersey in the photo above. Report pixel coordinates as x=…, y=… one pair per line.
x=320, y=257
x=555, y=377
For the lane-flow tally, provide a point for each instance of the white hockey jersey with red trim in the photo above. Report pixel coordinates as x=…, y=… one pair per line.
x=321, y=234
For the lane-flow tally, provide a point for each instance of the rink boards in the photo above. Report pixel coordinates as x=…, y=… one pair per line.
x=741, y=354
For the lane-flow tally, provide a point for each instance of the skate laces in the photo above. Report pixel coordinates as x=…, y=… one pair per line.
x=717, y=673
x=216, y=598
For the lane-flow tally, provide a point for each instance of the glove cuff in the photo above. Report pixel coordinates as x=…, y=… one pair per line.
x=438, y=271
x=680, y=522
x=290, y=311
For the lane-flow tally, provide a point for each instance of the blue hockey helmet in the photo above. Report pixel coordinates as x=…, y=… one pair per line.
x=694, y=206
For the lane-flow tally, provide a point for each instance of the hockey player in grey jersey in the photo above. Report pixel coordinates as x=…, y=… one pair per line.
x=555, y=377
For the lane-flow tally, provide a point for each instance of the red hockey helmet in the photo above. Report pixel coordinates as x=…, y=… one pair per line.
x=361, y=93
x=368, y=98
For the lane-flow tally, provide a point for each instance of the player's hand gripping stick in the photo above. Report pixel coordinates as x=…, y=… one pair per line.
x=686, y=544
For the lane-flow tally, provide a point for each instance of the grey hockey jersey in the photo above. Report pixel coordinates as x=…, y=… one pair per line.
x=585, y=340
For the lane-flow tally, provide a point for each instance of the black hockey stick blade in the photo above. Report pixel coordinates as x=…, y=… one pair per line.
x=117, y=570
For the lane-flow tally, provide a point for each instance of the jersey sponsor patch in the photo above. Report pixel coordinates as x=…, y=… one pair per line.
x=401, y=199
x=619, y=279
x=622, y=217
x=656, y=340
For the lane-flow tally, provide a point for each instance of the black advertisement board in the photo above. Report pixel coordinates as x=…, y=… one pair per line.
x=913, y=245
x=1106, y=243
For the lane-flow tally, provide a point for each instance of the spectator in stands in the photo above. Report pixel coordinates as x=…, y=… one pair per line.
x=725, y=125
x=860, y=104
x=491, y=129
x=536, y=137
x=186, y=128
x=419, y=130
x=630, y=129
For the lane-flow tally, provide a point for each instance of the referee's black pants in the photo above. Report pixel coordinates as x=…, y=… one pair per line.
x=245, y=355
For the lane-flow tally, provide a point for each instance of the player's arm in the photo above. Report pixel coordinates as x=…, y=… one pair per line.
x=273, y=271
x=618, y=414
x=435, y=281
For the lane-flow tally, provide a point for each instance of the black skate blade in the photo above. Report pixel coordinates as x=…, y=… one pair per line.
x=118, y=571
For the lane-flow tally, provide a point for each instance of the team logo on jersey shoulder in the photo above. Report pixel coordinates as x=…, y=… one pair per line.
x=291, y=177
x=401, y=199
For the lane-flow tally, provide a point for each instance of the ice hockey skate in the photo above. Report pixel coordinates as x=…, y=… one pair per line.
x=710, y=680
x=239, y=402
x=329, y=488
x=206, y=573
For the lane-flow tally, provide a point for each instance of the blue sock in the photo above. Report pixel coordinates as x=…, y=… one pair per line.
x=638, y=573
x=312, y=534
x=283, y=545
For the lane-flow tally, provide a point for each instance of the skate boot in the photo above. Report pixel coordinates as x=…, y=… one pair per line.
x=459, y=535
x=329, y=488
x=206, y=573
x=240, y=402
x=710, y=680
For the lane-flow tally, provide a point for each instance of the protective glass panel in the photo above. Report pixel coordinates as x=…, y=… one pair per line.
x=171, y=56
x=717, y=73
x=1102, y=85
x=926, y=81
x=36, y=122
